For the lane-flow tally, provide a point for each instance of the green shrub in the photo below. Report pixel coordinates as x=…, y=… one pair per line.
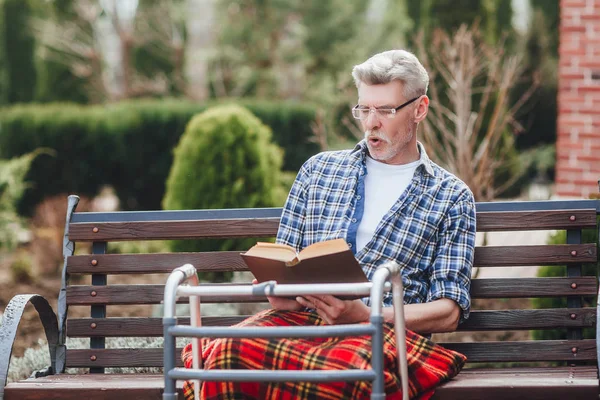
x=12, y=188
x=588, y=236
x=225, y=159
x=127, y=145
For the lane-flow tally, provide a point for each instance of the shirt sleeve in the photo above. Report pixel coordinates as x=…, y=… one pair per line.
x=291, y=224
x=451, y=273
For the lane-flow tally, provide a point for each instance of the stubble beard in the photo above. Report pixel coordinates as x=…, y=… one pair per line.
x=391, y=148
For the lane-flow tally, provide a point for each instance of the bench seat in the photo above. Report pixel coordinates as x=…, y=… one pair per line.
x=537, y=383
x=471, y=384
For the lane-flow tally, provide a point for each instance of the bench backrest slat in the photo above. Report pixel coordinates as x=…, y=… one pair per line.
x=261, y=227
x=530, y=319
x=232, y=228
x=492, y=256
x=154, y=263
x=545, y=350
x=478, y=321
x=541, y=350
x=480, y=288
x=136, y=327
x=535, y=220
x=533, y=287
x=512, y=256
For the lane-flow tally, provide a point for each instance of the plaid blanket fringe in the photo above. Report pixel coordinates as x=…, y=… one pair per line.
x=428, y=363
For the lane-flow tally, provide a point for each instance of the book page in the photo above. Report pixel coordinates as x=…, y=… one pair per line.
x=273, y=251
x=322, y=248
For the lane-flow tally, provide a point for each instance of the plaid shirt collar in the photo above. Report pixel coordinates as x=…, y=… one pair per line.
x=361, y=150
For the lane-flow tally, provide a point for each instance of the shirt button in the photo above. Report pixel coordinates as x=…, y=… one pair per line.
x=350, y=245
x=358, y=197
x=354, y=220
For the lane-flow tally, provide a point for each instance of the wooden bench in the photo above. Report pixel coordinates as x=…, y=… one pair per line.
x=573, y=372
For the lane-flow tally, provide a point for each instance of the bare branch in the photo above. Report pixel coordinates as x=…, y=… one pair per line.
x=466, y=136
x=319, y=130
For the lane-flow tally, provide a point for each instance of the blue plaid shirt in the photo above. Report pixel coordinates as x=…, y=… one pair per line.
x=429, y=231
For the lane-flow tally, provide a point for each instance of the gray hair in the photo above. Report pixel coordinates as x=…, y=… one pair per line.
x=393, y=65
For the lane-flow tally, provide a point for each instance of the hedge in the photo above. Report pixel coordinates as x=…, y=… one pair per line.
x=128, y=145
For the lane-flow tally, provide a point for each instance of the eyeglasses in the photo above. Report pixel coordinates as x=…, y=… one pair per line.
x=361, y=112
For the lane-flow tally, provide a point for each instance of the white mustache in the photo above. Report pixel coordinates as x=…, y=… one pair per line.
x=376, y=134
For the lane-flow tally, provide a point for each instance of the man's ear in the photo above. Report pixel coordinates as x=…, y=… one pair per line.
x=422, y=109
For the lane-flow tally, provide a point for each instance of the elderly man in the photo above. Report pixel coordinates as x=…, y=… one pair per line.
x=389, y=201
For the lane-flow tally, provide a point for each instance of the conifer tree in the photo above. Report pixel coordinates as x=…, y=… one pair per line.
x=224, y=159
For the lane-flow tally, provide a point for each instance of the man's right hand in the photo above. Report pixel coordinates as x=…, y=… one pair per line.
x=281, y=303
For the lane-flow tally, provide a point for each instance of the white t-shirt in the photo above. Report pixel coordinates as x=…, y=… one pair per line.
x=384, y=184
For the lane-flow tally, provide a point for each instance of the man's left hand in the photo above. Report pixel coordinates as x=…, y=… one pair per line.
x=335, y=311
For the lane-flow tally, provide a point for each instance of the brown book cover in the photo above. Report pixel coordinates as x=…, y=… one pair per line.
x=331, y=261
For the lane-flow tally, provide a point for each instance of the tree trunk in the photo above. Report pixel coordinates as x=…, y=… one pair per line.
x=199, y=25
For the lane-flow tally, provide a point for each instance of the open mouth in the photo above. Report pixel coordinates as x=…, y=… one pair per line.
x=374, y=140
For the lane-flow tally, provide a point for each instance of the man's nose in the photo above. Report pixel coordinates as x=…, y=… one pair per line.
x=372, y=120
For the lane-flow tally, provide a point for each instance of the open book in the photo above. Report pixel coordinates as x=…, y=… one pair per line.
x=331, y=261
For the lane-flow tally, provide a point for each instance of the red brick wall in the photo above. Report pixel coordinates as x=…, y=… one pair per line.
x=578, y=142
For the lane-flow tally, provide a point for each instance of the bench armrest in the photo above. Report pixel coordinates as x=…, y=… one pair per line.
x=10, y=323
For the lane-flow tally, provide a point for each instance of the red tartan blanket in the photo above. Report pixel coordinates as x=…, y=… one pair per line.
x=428, y=363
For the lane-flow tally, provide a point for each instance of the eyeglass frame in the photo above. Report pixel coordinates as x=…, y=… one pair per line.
x=375, y=109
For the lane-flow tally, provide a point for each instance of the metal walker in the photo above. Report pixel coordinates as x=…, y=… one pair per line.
x=174, y=288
